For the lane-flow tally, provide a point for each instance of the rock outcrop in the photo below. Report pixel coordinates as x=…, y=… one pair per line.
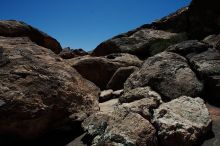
x=99, y=70
x=39, y=91
x=68, y=53
x=198, y=20
x=143, y=43
x=168, y=74
x=13, y=28
x=182, y=121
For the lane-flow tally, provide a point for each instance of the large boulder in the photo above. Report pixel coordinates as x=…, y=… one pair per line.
x=168, y=74
x=39, y=91
x=99, y=70
x=183, y=121
x=120, y=127
x=205, y=60
x=13, y=28
x=207, y=66
x=142, y=43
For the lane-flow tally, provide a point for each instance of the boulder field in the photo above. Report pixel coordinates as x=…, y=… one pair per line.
x=156, y=85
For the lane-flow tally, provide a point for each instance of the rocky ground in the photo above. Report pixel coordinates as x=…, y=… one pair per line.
x=157, y=85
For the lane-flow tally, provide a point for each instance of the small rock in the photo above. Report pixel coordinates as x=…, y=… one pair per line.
x=105, y=95
x=118, y=93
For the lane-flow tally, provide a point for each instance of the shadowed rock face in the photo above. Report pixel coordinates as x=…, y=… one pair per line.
x=13, y=28
x=99, y=70
x=215, y=137
x=120, y=76
x=38, y=91
x=200, y=19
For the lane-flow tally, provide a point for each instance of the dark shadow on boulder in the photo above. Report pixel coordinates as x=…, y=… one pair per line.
x=55, y=137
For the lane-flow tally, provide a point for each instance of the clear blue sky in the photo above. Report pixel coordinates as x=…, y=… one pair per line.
x=86, y=23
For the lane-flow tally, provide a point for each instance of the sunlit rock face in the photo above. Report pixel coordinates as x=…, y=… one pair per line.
x=13, y=28
x=182, y=121
x=38, y=90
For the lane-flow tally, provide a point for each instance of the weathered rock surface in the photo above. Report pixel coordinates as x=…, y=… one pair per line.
x=142, y=43
x=182, y=121
x=68, y=53
x=38, y=90
x=125, y=123
x=144, y=106
x=205, y=61
x=137, y=94
x=120, y=76
x=207, y=66
x=12, y=28
x=109, y=106
x=120, y=128
x=187, y=47
x=99, y=70
x=168, y=74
